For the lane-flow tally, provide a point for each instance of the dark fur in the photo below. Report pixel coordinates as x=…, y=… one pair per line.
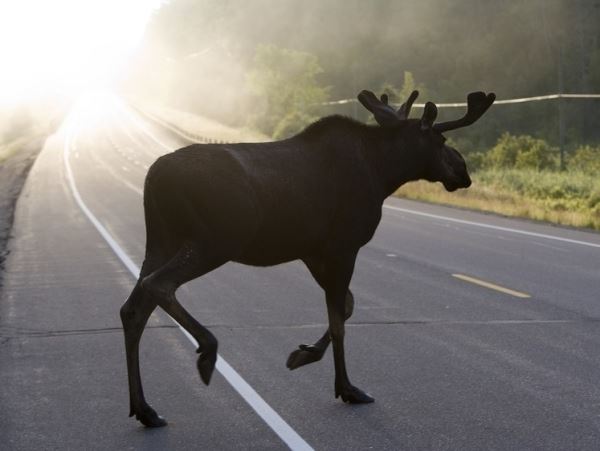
x=316, y=197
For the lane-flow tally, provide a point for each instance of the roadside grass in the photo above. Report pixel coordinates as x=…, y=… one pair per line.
x=10, y=148
x=567, y=198
x=34, y=136
x=28, y=125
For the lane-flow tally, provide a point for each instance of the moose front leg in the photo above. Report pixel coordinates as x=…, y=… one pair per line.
x=313, y=353
x=338, y=272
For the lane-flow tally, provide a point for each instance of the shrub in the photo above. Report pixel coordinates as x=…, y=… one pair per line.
x=585, y=159
x=522, y=152
x=285, y=85
x=291, y=124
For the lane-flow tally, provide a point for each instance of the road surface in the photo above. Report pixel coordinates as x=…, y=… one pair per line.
x=471, y=331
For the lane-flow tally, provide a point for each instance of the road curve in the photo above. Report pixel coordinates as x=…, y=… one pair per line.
x=470, y=330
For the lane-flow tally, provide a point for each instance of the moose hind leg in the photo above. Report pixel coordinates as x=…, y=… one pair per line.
x=134, y=315
x=189, y=263
x=306, y=353
x=207, y=343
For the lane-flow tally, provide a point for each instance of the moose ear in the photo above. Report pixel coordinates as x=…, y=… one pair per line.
x=429, y=116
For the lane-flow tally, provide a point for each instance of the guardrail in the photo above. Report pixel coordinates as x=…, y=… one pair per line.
x=186, y=134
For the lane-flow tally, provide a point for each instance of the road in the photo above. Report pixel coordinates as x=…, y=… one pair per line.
x=471, y=331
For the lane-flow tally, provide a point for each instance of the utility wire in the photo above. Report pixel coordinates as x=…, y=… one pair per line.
x=497, y=102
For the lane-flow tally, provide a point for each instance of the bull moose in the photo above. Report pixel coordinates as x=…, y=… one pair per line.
x=316, y=197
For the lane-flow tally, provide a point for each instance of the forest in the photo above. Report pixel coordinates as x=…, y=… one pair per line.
x=267, y=62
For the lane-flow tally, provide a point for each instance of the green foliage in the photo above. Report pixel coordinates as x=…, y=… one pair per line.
x=576, y=191
x=474, y=160
x=284, y=84
x=196, y=54
x=291, y=124
x=555, y=196
x=521, y=152
x=398, y=96
x=585, y=159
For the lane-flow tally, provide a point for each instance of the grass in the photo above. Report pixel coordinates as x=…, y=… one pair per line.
x=28, y=124
x=8, y=149
x=566, y=198
x=34, y=136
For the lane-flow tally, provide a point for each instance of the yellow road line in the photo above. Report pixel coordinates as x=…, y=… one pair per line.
x=491, y=286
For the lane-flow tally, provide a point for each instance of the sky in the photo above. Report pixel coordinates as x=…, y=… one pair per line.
x=66, y=46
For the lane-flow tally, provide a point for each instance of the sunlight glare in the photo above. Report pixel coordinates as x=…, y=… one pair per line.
x=66, y=46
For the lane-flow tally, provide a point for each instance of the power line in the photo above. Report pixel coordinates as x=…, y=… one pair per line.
x=497, y=102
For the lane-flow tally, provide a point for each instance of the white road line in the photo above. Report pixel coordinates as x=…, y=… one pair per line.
x=289, y=436
x=491, y=286
x=99, y=161
x=141, y=126
x=493, y=227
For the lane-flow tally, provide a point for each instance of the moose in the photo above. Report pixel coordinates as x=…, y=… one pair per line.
x=316, y=197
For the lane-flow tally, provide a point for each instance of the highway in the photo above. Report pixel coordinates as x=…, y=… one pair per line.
x=471, y=331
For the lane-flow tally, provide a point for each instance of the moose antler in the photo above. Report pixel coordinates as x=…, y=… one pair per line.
x=384, y=114
x=404, y=109
x=477, y=104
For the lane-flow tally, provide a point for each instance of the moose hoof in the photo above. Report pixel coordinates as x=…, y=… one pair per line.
x=353, y=395
x=303, y=356
x=206, y=365
x=149, y=418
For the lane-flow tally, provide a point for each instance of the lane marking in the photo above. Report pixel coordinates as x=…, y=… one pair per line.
x=141, y=126
x=493, y=227
x=491, y=286
x=99, y=161
x=285, y=432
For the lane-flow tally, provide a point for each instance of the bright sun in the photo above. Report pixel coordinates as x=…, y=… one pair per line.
x=66, y=46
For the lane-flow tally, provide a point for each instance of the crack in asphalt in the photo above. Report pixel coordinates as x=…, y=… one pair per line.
x=8, y=333
x=16, y=332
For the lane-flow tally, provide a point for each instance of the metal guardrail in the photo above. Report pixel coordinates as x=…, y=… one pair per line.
x=186, y=134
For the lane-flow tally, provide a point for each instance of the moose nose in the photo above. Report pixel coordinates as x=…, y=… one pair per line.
x=467, y=181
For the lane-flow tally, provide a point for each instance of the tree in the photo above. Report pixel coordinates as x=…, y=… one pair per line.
x=399, y=95
x=286, y=91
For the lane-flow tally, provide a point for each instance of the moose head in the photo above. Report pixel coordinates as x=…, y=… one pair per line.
x=424, y=139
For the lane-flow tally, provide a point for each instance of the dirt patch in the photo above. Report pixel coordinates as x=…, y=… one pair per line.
x=13, y=173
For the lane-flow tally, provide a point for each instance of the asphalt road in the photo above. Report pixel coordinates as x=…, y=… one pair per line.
x=453, y=362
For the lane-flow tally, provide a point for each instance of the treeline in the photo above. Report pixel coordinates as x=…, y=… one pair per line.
x=271, y=64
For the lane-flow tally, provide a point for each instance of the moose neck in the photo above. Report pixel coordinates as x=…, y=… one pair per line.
x=383, y=152
x=389, y=156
